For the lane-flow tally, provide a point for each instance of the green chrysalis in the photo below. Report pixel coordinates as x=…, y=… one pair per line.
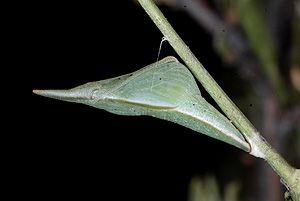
x=166, y=90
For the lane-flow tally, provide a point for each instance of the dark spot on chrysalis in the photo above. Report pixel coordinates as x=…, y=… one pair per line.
x=160, y=78
x=250, y=105
x=131, y=75
x=223, y=30
x=266, y=9
x=184, y=6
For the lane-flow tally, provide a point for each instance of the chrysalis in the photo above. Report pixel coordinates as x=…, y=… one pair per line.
x=166, y=90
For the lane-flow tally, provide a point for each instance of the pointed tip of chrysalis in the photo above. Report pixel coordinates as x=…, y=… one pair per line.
x=70, y=95
x=42, y=92
x=56, y=94
x=36, y=91
x=39, y=92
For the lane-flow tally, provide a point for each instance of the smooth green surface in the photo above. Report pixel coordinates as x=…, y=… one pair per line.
x=166, y=90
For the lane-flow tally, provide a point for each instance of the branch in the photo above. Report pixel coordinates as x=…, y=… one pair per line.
x=260, y=147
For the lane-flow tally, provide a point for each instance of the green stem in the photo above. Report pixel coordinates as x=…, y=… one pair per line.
x=260, y=147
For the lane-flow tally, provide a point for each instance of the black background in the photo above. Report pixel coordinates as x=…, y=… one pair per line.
x=76, y=151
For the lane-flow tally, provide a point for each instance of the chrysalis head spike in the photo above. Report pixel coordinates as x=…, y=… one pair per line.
x=84, y=94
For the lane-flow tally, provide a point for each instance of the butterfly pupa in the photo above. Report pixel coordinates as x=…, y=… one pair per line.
x=165, y=89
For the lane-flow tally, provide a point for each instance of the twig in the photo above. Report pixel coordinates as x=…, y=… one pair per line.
x=260, y=147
